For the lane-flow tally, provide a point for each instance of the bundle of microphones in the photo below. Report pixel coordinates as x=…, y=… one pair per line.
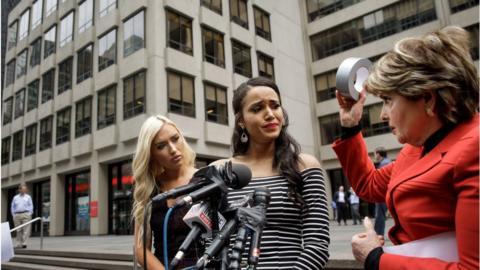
x=215, y=221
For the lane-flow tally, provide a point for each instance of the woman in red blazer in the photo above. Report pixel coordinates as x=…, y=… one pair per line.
x=429, y=87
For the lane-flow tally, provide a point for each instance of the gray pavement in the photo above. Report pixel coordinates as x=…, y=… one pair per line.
x=340, y=237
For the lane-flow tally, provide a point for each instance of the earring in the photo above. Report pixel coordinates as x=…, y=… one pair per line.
x=244, y=136
x=430, y=112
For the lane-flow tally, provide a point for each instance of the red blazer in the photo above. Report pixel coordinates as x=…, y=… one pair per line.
x=425, y=195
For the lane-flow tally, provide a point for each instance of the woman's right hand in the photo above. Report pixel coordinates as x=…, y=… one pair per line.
x=350, y=110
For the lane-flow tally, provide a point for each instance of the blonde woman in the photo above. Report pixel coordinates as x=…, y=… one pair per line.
x=163, y=160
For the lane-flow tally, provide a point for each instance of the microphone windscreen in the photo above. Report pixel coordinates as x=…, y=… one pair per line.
x=243, y=175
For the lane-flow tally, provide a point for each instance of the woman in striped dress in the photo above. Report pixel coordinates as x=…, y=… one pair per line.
x=296, y=235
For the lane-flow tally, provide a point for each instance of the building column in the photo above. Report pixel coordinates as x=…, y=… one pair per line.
x=99, y=194
x=57, y=205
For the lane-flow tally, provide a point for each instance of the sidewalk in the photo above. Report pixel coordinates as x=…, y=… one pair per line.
x=340, y=237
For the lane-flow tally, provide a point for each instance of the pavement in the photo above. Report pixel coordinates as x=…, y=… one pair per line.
x=340, y=236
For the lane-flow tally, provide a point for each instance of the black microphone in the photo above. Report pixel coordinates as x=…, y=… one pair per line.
x=261, y=200
x=179, y=191
x=235, y=176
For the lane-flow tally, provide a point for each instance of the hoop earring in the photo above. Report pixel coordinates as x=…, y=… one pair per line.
x=244, y=136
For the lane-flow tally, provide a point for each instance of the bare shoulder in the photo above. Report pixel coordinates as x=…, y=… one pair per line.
x=308, y=161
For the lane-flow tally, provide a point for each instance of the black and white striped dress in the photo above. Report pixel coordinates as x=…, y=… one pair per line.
x=293, y=238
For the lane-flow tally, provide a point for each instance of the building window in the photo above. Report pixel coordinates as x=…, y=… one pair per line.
x=19, y=103
x=37, y=9
x=65, y=75
x=392, y=19
x=21, y=68
x=84, y=63
x=317, y=9
x=85, y=15
x=262, y=23
x=215, y=5
x=473, y=29
x=31, y=140
x=238, y=12
x=181, y=94
x=133, y=34
x=50, y=7
x=46, y=133
x=17, y=145
x=459, y=5
x=83, y=117
x=63, y=126
x=49, y=39
x=12, y=35
x=134, y=95
x=66, y=29
x=179, y=31
x=7, y=110
x=213, y=49
x=241, y=59
x=107, y=50
x=106, y=107
x=36, y=51
x=48, y=83
x=10, y=73
x=6, y=150
x=24, y=24
x=106, y=6
x=216, y=104
x=32, y=95
x=265, y=66
x=325, y=85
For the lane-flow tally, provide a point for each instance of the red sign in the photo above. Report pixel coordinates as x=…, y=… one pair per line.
x=93, y=208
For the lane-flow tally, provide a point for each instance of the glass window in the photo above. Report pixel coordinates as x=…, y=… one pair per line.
x=459, y=5
x=12, y=35
x=24, y=23
x=106, y=107
x=48, y=83
x=37, y=9
x=179, y=30
x=134, y=95
x=46, y=133
x=84, y=63
x=133, y=34
x=238, y=12
x=241, y=59
x=265, y=66
x=6, y=150
x=262, y=23
x=85, y=15
x=216, y=104
x=213, y=49
x=181, y=94
x=325, y=85
x=19, y=103
x=215, y=5
x=50, y=7
x=7, y=110
x=106, y=6
x=320, y=8
x=65, y=70
x=32, y=95
x=21, y=68
x=36, y=51
x=83, y=117
x=473, y=29
x=63, y=126
x=66, y=29
x=107, y=50
x=10, y=73
x=49, y=39
x=31, y=140
x=17, y=145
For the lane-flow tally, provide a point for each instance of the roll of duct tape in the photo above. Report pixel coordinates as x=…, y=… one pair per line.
x=351, y=75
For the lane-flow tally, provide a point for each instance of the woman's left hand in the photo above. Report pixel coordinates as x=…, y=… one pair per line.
x=363, y=243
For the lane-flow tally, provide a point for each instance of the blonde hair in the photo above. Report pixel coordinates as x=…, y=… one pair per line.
x=144, y=170
x=439, y=62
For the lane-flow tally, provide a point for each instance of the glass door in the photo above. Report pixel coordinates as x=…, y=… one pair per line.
x=77, y=203
x=41, y=206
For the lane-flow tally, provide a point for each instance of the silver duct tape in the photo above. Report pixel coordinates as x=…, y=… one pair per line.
x=351, y=75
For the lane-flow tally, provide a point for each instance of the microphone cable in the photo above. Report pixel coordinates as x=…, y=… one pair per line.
x=165, y=244
x=144, y=236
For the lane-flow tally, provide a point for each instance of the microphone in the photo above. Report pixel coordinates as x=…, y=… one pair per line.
x=175, y=192
x=261, y=200
x=235, y=176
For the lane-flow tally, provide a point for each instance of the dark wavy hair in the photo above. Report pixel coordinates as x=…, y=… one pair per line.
x=287, y=150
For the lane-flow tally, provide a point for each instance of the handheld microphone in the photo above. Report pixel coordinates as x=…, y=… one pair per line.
x=261, y=200
x=235, y=176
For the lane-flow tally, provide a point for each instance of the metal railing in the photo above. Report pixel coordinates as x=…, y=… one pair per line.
x=28, y=223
